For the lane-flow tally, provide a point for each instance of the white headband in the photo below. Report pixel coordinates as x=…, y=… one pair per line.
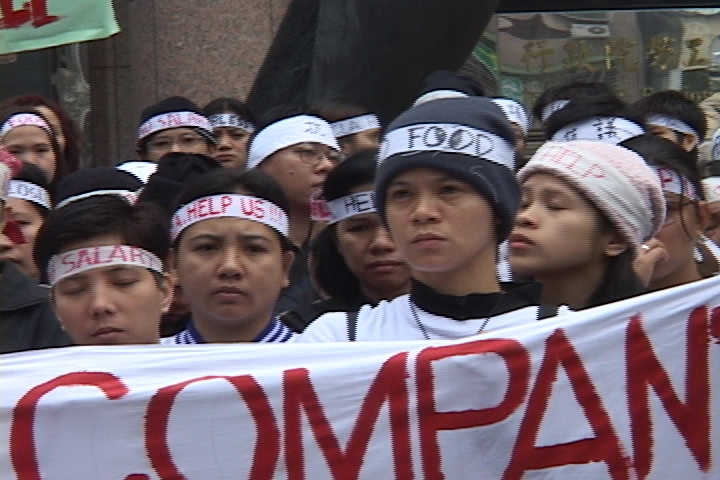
x=351, y=205
x=450, y=138
x=230, y=120
x=229, y=205
x=711, y=185
x=674, y=182
x=168, y=120
x=672, y=123
x=30, y=192
x=551, y=108
x=613, y=130
x=438, y=95
x=129, y=196
x=22, y=120
x=81, y=260
x=353, y=125
x=139, y=169
x=287, y=132
x=514, y=111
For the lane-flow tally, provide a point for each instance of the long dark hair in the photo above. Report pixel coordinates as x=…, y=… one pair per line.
x=331, y=272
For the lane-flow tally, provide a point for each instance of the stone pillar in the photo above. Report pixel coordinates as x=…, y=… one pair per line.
x=200, y=49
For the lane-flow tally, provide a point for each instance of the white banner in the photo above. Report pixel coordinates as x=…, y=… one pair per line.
x=629, y=390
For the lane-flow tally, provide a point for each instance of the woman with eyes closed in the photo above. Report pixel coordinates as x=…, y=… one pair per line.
x=586, y=209
x=103, y=260
x=231, y=256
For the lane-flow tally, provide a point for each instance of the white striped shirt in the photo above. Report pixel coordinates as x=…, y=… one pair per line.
x=274, y=332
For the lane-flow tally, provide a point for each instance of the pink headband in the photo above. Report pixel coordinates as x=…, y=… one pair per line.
x=23, y=120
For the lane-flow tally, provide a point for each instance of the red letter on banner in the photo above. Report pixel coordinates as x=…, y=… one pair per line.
x=40, y=14
x=13, y=18
x=22, y=429
x=605, y=447
x=267, y=447
x=431, y=421
x=691, y=418
x=388, y=386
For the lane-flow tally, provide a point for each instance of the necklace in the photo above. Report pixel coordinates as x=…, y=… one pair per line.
x=413, y=310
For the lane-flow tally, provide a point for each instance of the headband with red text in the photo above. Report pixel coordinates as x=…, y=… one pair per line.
x=30, y=192
x=450, y=138
x=711, y=185
x=81, y=260
x=165, y=121
x=23, y=120
x=229, y=205
x=230, y=120
x=353, y=125
x=674, y=182
x=613, y=130
x=351, y=205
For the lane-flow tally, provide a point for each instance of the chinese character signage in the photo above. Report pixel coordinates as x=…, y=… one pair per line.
x=35, y=24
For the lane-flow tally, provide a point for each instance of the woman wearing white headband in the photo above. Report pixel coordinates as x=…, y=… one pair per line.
x=298, y=151
x=103, y=259
x=29, y=136
x=356, y=128
x=686, y=218
x=29, y=203
x=232, y=123
x=354, y=260
x=587, y=206
x=231, y=257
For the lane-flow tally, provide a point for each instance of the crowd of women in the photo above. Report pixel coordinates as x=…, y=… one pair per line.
x=319, y=224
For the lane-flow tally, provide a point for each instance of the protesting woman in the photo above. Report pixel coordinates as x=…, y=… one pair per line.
x=231, y=255
x=446, y=190
x=354, y=260
x=587, y=207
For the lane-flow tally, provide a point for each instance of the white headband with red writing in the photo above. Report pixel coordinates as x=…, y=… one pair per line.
x=30, y=192
x=351, y=205
x=168, y=120
x=229, y=205
x=612, y=130
x=675, y=182
x=449, y=138
x=24, y=120
x=351, y=126
x=230, y=120
x=81, y=260
x=287, y=132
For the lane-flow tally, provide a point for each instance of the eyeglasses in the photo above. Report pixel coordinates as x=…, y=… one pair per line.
x=314, y=155
x=165, y=144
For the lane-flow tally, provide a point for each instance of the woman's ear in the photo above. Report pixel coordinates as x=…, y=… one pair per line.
x=689, y=142
x=705, y=217
x=615, y=245
x=167, y=289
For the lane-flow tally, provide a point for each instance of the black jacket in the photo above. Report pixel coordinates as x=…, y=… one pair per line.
x=27, y=321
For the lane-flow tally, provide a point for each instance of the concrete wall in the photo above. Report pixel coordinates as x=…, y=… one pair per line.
x=200, y=49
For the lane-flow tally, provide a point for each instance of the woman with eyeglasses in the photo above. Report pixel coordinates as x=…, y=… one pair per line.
x=671, y=257
x=173, y=125
x=299, y=151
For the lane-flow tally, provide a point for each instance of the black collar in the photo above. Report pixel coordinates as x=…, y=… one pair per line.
x=476, y=305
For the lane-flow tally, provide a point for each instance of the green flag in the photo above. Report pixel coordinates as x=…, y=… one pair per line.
x=35, y=24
